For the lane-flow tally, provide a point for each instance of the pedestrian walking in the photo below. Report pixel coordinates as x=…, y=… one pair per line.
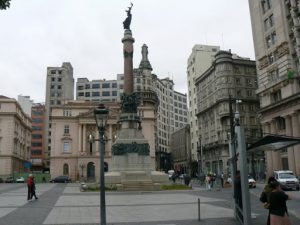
x=33, y=188
x=208, y=182
x=222, y=179
x=29, y=187
x=278, y=208
x=265, y=196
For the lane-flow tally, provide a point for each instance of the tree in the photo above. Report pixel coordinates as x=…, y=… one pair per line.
x=4, y=4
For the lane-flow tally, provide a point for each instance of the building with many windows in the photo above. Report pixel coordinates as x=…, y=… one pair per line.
x=15, y=137
x=198, y=62
x=97, y=90
x=59, y=89
x=37, y=137
x=229, y=78
x=276, y=35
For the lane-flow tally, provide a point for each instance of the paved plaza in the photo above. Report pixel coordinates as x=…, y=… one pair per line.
x=65, y=204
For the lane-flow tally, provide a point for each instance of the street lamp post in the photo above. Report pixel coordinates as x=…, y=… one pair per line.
x=101, y=114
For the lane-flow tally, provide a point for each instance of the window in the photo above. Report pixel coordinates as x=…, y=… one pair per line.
x=274, y=75
x=67, y=112
x=249, y=82
x=237, y=80
x=95, y=93
x=37, y=136
x=271, y=58
x=58, y=102
x=58, y=86
x=239, y=93
x=266, y=24
x=87, y=94
x=249, y=93
x=271, y=21
x=280, y=122
x=273, y=37
x=52, y=79
x=80, y=87
x=66, y=169
x=36, y=128
x=106, y=85
x=276, y=96
x=66, y=129
x=36, y=152
x=87, y=86
x=37, y=120
x=52, y=86
x=53, y=71
x=95, y=85
x=114, y=85
x=59, y=79
x=36, y=144
x=268, y=41
x=105, y=93
x=114, y=93
x=66, y=147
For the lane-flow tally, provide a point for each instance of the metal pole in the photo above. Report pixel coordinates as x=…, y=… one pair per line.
x=102, y=184
x=244, y=174
x=199, y=209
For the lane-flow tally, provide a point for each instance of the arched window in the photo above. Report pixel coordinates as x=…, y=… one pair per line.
x=66, y=169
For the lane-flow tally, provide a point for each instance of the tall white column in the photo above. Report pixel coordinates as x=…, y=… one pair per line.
x=296, y=133
x=80, y=138
x=84, y=138
x=290, y=150
x=268, y=154
x=275, y=155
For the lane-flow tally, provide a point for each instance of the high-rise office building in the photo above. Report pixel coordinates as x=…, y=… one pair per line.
x=59, y=89
x=229, y=78
x=198, y=62
x=37, y=137
x=276, y=35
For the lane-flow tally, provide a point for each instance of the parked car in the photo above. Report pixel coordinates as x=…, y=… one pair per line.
x=20, y=180
x=1, y=180
x=251, y=182
x=9, y=180
x=61, y=179
x=286, y=179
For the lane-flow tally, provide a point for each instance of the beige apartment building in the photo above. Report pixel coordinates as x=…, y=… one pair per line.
x=73, y=126
x=276, y=35
x=230, y=78
x=198, y=62
x=15, y=137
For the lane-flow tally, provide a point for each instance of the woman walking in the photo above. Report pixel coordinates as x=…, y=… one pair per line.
x=278, y=208
x=265, y=196
x=29, y=187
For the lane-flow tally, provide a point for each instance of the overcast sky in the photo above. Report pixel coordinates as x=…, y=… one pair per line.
x=35, y=34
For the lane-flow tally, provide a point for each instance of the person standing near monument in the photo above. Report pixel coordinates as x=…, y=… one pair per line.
x=29, y=187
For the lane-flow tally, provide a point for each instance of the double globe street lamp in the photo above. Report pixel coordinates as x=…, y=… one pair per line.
x=101, y=115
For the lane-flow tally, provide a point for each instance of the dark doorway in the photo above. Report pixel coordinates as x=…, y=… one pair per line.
x=91, y=171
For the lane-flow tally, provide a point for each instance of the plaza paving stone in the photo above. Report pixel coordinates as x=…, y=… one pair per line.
x=61, y=204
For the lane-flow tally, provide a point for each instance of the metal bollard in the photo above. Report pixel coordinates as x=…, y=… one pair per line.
x=198, y=209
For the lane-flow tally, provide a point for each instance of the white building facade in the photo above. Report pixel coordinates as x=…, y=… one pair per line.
x=198, y=62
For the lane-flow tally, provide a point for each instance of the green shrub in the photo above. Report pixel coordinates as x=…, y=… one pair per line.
x=175, y=187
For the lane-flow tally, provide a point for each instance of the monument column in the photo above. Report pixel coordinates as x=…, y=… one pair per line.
x=275, y=154
x=128, y=41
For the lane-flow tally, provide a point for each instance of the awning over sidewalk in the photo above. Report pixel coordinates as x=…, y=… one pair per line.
x=273, y=143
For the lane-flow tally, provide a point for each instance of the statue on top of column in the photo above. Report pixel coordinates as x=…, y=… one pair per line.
x=127, y=21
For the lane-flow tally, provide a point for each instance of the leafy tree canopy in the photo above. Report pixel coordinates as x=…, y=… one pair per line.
x=4, y=4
